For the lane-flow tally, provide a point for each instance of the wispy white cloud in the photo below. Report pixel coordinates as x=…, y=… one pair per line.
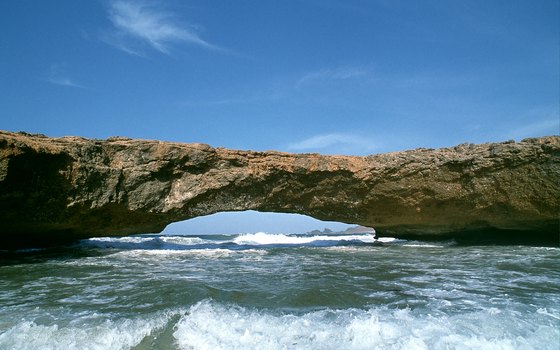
x=137, y=24
x=325, y=75
x=538, y=128
x=58, y=75
x=335, y=143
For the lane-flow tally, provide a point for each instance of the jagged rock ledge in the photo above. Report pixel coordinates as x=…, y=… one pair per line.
x=55, y=190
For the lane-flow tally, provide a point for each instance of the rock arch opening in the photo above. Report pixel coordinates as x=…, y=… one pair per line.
x=251, y=221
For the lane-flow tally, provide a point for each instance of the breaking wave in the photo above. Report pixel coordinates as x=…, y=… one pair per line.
x=210, y=325
x=241, y=241
x=262, y=238
x=213, y=325
x=81, y=333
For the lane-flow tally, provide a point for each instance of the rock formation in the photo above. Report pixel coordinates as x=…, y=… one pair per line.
x=58, y=189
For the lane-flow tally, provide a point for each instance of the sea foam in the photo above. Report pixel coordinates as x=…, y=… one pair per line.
x=262, y=238
x=210, y=325
x=162, y=242
x=100, y=335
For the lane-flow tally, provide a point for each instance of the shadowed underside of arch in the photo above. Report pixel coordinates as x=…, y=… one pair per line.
x=56, y=189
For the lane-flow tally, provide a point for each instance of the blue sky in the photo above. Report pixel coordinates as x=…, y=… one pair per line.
x=328, y=76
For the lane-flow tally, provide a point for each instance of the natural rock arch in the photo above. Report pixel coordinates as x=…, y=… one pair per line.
x=71, y=187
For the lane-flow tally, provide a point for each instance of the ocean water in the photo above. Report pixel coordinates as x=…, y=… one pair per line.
x=264, y=291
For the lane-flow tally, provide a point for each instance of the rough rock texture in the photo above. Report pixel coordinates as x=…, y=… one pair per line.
x=56, y=189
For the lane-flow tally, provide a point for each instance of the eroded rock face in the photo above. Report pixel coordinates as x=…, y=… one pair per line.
x=55, y=189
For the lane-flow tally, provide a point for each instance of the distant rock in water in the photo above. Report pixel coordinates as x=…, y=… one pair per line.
x=326, y=231
x=358, y=230
x=353, y=230
x=54, y=190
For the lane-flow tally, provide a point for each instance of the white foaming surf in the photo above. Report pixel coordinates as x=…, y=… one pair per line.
x=142, y=242
x=250, y=239
x=262, y=238
x=82, y=333
x=210, y=325
x=208, y=253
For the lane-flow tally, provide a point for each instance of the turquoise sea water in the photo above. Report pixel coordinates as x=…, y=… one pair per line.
x=263, y=291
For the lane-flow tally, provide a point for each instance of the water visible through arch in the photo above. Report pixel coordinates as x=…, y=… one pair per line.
x=252, y=221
